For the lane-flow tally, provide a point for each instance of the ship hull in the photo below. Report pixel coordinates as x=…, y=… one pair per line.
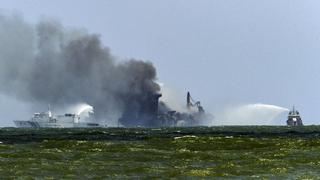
x=33, y=124
x=26, y=124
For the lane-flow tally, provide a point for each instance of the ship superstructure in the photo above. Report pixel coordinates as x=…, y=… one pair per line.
x=294, y=118
x=193, y=116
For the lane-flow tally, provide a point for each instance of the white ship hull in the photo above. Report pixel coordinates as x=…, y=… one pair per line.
x=33, y=124
x=46, y=120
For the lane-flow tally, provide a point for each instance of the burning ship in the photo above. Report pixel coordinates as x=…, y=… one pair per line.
x=152, y=113
x=294, y=118
x=194, y=116
x=47, y=120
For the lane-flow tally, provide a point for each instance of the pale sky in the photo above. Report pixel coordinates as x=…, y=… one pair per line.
x=223, y=51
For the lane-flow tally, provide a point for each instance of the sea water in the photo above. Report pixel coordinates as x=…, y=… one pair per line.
x=201, y=152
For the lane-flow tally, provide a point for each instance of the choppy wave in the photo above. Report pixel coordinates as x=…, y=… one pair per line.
x=241, y=152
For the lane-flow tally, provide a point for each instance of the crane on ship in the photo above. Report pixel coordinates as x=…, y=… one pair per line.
x=192, y=103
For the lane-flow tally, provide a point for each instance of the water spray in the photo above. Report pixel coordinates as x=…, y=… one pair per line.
x=250, y=114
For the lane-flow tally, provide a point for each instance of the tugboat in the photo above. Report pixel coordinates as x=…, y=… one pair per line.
x=294, y=118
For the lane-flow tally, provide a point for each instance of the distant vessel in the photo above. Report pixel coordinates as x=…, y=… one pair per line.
x=47, y=120
x=294, y=118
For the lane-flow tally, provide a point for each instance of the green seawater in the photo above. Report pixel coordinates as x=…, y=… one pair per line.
x=253, y=152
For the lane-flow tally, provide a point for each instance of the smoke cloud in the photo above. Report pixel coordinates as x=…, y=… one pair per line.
x=47, y=63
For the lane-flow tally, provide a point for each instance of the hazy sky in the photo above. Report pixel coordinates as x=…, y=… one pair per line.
x=224, y=51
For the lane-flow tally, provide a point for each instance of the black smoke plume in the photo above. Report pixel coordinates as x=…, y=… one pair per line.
x=49, y=64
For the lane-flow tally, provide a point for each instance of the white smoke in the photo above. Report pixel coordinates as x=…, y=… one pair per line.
x=172, y=98
x=250, y=114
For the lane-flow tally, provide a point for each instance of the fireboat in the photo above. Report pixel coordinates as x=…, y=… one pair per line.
x=294, y=118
